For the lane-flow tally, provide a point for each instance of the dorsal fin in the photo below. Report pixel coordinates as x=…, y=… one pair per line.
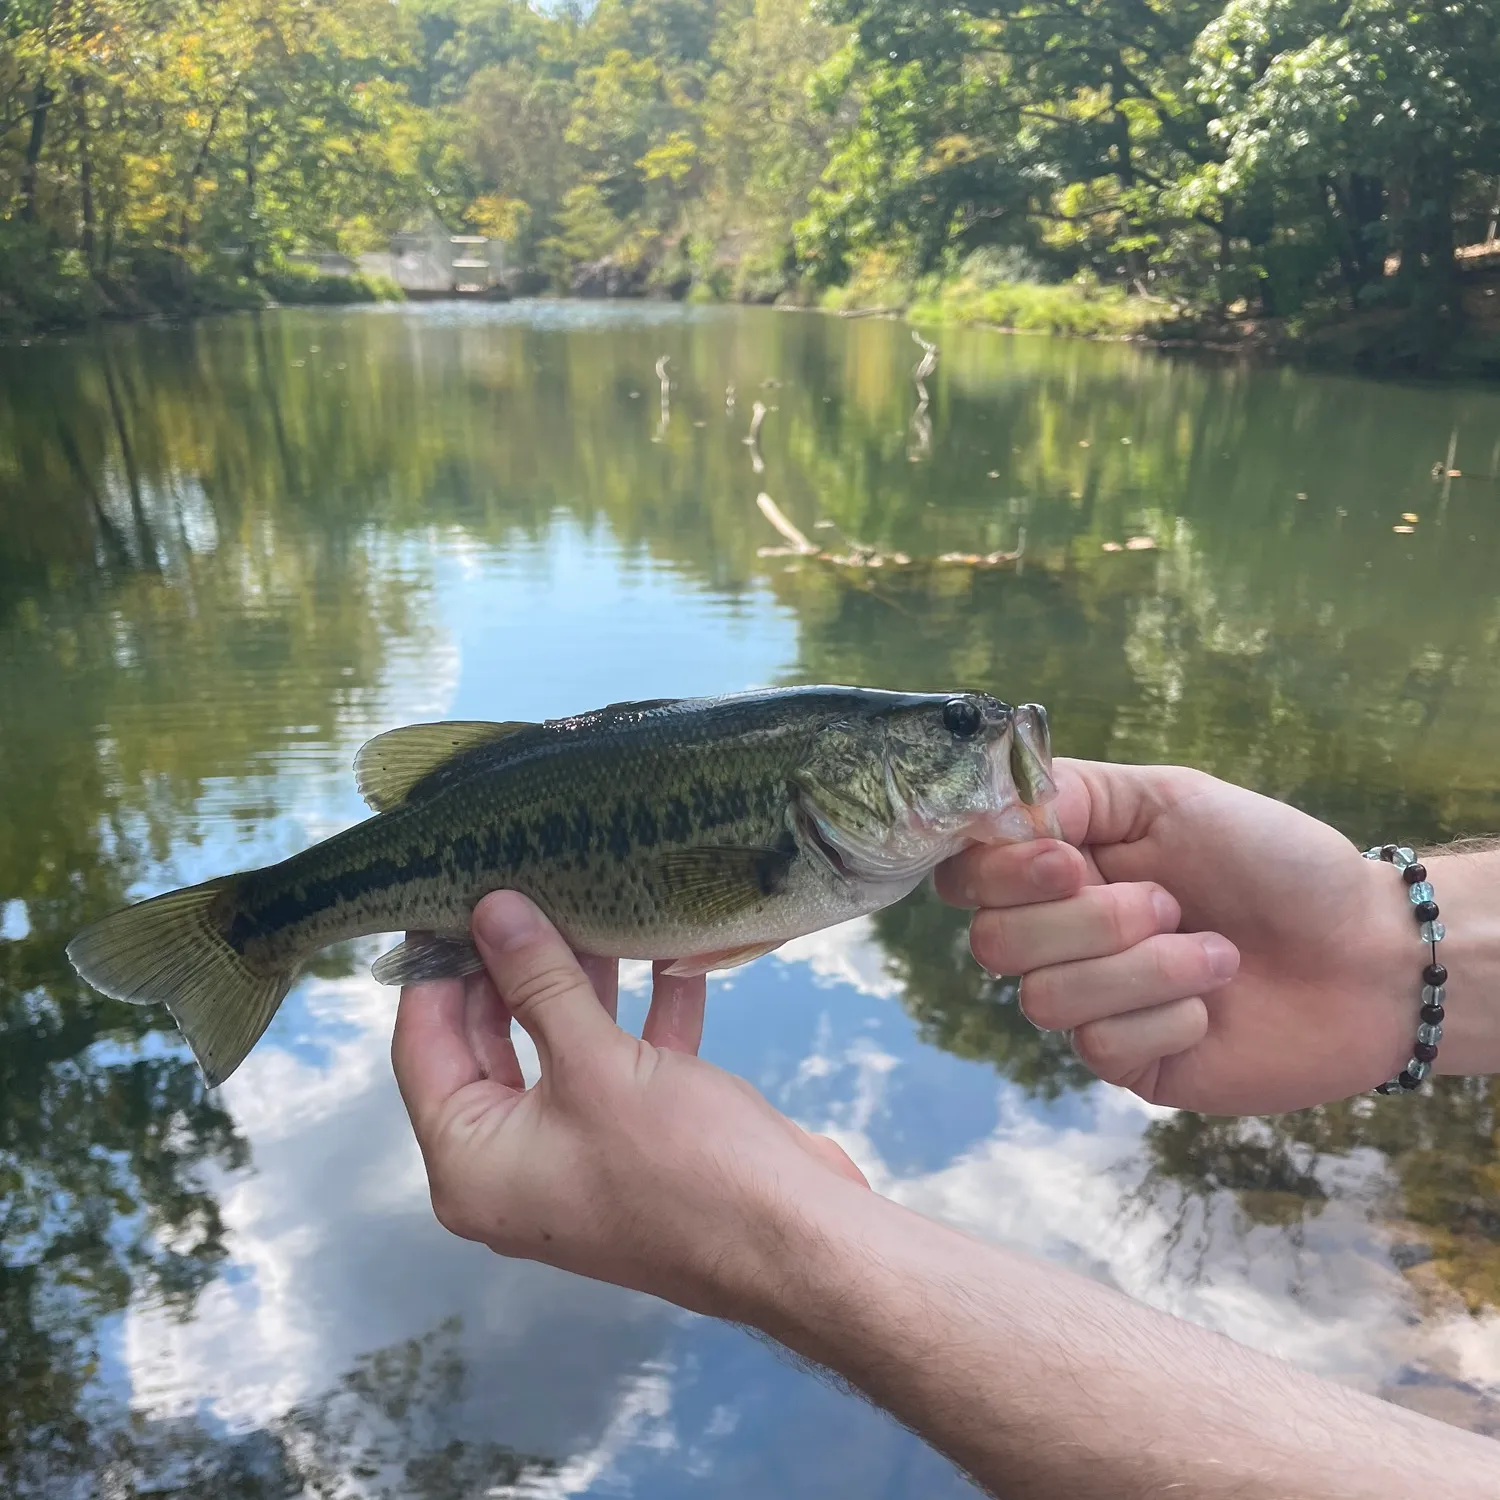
x=611, y=713
x=391, y=764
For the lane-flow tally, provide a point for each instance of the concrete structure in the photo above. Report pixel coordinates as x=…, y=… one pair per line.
x=430, y=262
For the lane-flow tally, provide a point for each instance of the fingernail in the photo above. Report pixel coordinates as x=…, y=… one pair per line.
x=1223, y=956
x=1165, y=908
x=506, y=920
x=1052, y=872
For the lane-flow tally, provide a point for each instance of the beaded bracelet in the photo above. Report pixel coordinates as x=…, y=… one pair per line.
x=1434, y=976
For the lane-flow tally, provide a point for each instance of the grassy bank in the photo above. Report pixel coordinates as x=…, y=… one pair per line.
x=1389, y=340
x=983, y=294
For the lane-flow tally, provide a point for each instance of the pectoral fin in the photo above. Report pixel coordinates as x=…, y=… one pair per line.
x=722, y=958
x=428, y=955
x=389, y=766
x=718, y=884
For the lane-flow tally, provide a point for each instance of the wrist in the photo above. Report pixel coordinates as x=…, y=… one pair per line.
x=805, y=1260
x=1467, y=889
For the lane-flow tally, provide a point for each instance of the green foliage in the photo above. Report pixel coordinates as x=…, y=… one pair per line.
x=301, y=284
x=1272, y=159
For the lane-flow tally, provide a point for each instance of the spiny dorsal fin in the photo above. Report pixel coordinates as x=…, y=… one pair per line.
x=391, y=764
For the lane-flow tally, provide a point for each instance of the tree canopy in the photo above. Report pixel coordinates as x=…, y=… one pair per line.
x=1272, y=155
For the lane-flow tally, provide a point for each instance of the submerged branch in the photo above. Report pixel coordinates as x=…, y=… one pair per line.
x=859, y=555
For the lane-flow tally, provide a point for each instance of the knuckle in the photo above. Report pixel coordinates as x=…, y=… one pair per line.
x=1174, y=969
x=1128, y=914
x=535, y=988
x=957, y=880
x=989, y=942
x=1040, y=1002
x=1099, y=1051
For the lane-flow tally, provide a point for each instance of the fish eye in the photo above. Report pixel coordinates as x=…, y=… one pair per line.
x=961, y=718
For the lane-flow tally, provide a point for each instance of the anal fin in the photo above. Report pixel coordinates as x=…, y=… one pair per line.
x=428, y=955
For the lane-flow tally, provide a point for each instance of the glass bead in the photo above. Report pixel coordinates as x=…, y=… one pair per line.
x=1418, y=1070
x=1420, y=892
x=1404, y=857
x=1434, y=994
x=1429, y=1034
x=1433, y=932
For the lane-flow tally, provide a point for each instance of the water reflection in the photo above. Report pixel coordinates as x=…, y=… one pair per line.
x=233, y=550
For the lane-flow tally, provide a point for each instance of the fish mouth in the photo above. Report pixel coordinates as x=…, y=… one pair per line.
x=1023, y=786
x=1031, y=768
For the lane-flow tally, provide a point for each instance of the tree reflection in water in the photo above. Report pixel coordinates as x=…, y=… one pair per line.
x=218, y=554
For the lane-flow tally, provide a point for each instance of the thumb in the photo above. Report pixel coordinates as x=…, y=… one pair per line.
x=539, y=979
x=1104, y=803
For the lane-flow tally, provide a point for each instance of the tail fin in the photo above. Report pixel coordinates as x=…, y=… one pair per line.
x=173, y=949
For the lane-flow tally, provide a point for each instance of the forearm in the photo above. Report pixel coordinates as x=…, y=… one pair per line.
x=1041, y=1383
x=1467, y=890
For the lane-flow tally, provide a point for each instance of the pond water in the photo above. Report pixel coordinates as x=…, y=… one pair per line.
x=231, y=552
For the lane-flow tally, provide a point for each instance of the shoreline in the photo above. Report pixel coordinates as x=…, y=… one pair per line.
x=1332, y=349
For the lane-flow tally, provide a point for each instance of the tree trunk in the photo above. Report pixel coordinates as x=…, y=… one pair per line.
x=1356, y=208
x=1428, y=265
x=41, y=102
x=85, y=171
x=252, y=248
x=200, y=161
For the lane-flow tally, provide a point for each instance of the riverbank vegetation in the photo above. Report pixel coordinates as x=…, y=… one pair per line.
x=1309, y=172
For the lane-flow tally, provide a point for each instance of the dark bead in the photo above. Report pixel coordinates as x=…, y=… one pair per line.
x=1427, y=911
x=1388, y=853
x=1432, y=1015
x=1424, y=1052
x=1413, y=873
x=1434, y=974
x=1406, y=1080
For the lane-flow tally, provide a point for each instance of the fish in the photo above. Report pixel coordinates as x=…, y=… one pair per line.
x=701, y=831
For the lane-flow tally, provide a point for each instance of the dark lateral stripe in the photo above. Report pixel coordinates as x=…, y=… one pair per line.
x=631, y=826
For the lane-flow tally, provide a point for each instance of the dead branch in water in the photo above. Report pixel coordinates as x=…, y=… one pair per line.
x=921, y=423
x=752, y=442
x=666, y=399
x=860, y=556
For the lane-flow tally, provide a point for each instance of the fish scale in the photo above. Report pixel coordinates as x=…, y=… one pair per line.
x=701, y=831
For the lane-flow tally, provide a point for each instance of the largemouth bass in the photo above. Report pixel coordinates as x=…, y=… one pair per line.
x=702, y=830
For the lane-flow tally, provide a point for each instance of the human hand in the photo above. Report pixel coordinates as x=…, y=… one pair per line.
x=631, y=1160
x=1208, y=948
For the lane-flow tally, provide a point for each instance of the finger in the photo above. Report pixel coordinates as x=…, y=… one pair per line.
x=430, y=1049
x=1170, y=966
x=538, y=977
x=604, y=976
x=675, y=1019
x=487, y=1023
x=1099, y=920
x=1122, y=1049
x=1011, y=874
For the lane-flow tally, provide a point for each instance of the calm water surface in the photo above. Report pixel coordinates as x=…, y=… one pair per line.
x=232, y=552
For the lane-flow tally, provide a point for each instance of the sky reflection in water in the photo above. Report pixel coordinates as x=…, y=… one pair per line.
x=339, y=523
